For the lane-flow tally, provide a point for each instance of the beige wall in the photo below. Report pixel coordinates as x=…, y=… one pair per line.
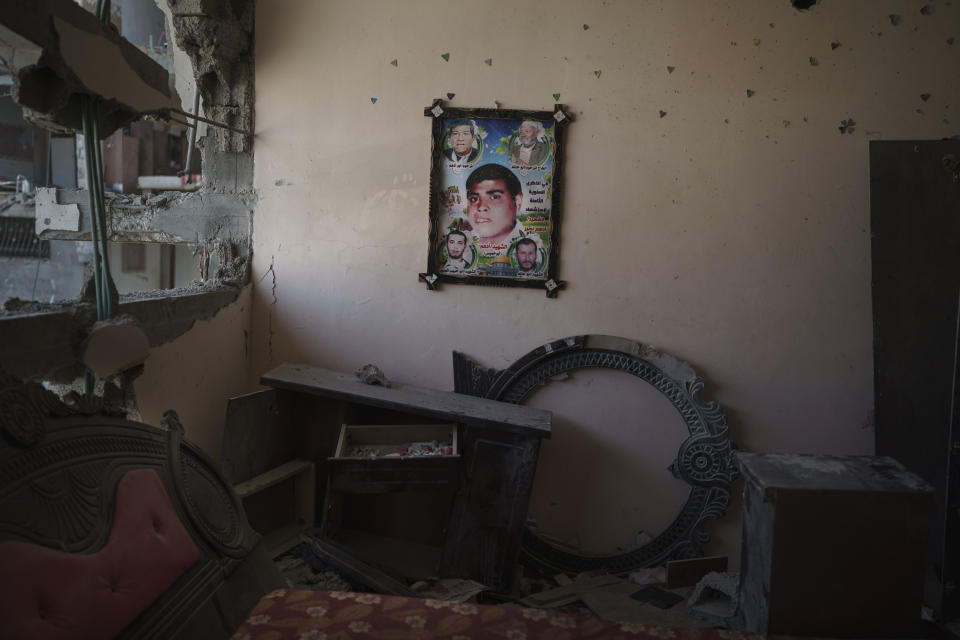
x=719, y=233
x=196, y=374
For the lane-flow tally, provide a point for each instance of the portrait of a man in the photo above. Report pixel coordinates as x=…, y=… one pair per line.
x=464, y=147
x=526, y=255
x=530, y=147
x=494, y=195
x=456, y=249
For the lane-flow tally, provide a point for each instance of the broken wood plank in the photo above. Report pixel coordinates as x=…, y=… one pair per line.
x=445, y=405
x=272, y=477
x=569, y=594
x=686, y=573
x=356, y=569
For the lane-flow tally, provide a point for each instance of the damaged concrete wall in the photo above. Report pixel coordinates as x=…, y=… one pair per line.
x=196, y=372
x=80, y=56
x=216, y=39
x=217, y=36
x=728, y=228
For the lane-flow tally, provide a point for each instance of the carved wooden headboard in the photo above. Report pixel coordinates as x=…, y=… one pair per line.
x=111, y=527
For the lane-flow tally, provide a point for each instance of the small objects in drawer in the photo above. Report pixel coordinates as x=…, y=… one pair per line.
x=397, y=441
x=407, y=449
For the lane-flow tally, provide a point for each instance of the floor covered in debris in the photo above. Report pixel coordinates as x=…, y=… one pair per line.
x=642, y=599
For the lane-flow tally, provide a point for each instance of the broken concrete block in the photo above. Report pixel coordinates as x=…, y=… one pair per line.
x=715, y=598
x=82, y=56
x=114, y=346
x=55, y=216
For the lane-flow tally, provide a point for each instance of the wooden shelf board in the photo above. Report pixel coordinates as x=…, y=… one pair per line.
x=271, y=477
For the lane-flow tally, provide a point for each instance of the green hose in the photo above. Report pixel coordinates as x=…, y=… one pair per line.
x=103, y=285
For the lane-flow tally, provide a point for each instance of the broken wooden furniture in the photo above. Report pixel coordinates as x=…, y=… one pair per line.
x=704, y=459
x=115, y=529
x=303, y=476
x=112, y=528
x=832, y=545
x=464, y=514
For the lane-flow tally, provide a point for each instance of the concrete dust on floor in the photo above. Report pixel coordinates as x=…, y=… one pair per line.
x=604, y=597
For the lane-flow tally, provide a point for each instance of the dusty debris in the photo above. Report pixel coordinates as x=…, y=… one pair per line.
x=652, y=575
x=448, y=589
x=359, y=571
x=568, y=594
x=16, y=306
x=403, y=450
x=304, y=570
x=371, y=374
x=715, y=598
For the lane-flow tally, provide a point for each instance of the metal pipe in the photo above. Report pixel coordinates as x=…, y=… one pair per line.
x=193, y=133
x=109, y=287
x=88, y=156
x=208, y=121
x=181, y=122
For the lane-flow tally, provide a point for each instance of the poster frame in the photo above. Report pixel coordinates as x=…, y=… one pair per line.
x=439, y=168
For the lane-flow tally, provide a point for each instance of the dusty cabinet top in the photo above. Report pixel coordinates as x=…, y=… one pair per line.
x=775, y=471
x=447, y=405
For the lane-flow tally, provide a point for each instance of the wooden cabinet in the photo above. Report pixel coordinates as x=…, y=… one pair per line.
x=478, y=496
x=832, y=545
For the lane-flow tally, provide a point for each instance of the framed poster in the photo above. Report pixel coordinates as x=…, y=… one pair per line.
x=495, y=177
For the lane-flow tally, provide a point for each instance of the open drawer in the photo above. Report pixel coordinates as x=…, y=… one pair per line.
x=386, y=458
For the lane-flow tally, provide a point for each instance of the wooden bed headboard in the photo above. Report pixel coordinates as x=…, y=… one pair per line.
x=109, y=526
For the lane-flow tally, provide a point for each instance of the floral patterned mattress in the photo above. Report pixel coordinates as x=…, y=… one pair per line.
x=290, y=614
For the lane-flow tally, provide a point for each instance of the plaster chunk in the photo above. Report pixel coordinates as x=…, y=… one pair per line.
x=114, y=346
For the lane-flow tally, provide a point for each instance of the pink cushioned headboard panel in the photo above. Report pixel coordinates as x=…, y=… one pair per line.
x=49, y=594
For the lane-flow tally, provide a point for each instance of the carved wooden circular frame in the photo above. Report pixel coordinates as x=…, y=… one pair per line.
x=704, y=459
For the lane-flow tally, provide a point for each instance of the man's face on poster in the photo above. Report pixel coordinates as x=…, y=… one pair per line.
x=491, y=209
x=456, y=243
x=527, y=133
x=526, y=255
x=461, y=139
